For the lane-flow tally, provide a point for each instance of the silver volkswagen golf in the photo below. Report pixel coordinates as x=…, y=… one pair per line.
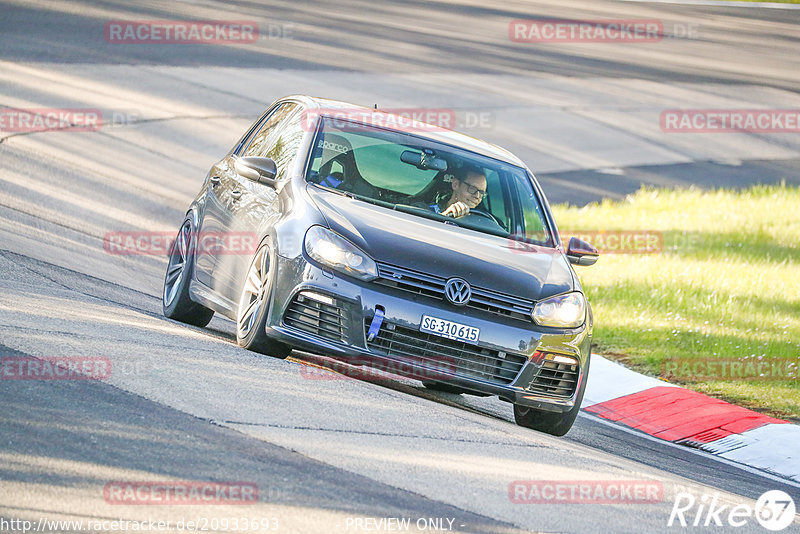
x=381, y=240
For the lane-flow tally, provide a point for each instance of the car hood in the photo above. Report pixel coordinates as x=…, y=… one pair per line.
x=445, y=250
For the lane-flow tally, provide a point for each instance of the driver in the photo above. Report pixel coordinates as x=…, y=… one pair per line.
x=469, y=189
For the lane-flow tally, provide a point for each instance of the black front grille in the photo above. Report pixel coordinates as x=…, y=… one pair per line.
x=555, y=379
x=319, y=318
x=433, y=286
x=445, y=355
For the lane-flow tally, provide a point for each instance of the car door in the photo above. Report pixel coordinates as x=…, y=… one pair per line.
x=256, y=206
x=219, y=203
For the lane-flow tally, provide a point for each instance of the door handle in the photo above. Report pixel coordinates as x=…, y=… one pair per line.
x=214, y=181
x=236, y=194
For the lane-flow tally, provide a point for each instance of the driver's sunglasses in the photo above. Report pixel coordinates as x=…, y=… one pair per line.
x=472, y=190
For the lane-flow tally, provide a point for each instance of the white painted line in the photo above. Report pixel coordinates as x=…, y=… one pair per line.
x=720, y=3
x=772, y=447
x=610, y=380
x=698, y=452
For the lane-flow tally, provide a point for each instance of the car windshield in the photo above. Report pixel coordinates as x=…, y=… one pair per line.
x=410, y=173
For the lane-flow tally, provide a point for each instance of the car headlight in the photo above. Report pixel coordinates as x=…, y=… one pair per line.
x=563, y=311
x=334, y=251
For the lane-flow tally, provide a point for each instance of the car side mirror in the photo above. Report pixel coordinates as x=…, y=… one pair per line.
x=580, y=252
x=261, y=170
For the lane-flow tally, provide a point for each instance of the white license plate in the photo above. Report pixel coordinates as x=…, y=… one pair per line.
x=449, y=329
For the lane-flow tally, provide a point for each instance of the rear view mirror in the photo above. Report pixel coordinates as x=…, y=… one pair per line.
x=423, y=160
x=580, y=252
x=261, y=170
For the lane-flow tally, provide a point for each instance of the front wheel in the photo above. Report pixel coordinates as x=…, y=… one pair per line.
x=251, y=318
x=554, y=423
x=175, y=299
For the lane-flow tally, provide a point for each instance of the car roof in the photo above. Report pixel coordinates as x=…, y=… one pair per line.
x=436, y=133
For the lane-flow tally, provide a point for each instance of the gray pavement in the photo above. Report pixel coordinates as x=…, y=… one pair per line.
x=185, y=404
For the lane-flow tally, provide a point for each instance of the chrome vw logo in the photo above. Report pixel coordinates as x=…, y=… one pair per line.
x=457, y=291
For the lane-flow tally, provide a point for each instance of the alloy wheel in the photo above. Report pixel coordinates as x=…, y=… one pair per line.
x=178, y=259
x=253, y=294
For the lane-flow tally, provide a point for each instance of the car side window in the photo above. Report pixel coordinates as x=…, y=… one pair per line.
x=249, y=135
x=279, y=138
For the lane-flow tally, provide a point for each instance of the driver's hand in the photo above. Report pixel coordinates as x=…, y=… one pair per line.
x=456, y=210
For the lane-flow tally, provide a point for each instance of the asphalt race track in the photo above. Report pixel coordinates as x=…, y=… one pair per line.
x=325, y=453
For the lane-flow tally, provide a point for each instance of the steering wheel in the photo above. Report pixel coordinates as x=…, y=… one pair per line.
x=487, y=215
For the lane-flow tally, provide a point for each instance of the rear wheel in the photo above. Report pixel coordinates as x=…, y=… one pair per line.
x=555, y=423
x=175, y=299
x=254, y=306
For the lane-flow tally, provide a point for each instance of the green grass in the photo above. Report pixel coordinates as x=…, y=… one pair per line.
x=725, y=286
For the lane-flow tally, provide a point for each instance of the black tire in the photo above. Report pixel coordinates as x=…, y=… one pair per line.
x=175, y=300
x=554, y=423
x=254, y=302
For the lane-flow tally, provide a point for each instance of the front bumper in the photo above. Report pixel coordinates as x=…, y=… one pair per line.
x=329, y=314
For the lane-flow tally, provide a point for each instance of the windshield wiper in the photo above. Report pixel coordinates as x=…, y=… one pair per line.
x=416, y=210
x=357, y=196
x=337, y=191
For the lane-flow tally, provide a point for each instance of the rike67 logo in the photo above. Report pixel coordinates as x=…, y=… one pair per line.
x=774, y=510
